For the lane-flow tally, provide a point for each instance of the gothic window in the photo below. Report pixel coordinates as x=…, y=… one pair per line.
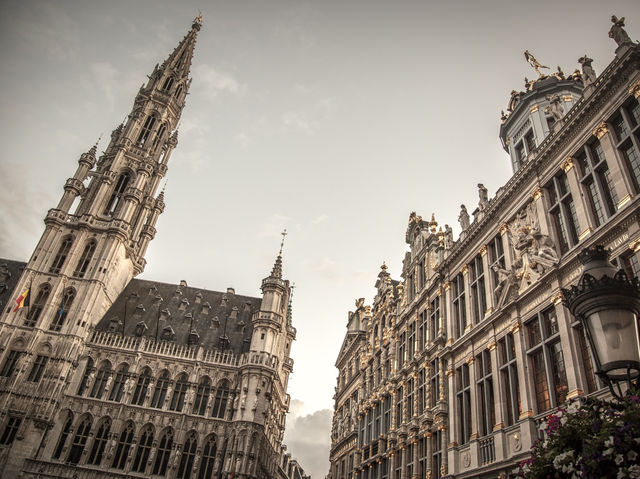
x=79, y=441
x=434, y=318
x=116, y=195
x=412, y=339
x=546, y=360
x=178, y=92
x=84, y=382
x=478, y=296
x=38, y=305
x=434, y=382
x=144, y=448
x=422, y=330
x=100, y=442
x=399, y=415
x=459, y=305
x=124, y=444
x=422, y=278
x=142, y=386
x=179, y=393
x=402, y=350
x=168, y=83
x=85, y=259
x=160, y=391
x=62, y=312
x=10, y=363
x=202, y=396
x=188, y=455
x=63, y=436
x=220, y=401
x=38, y=368
x=208, y=458
x=597, y=182
x=100, y=383
x=117, y=390
x=61, y=256
x=146, y=130
x=509, y=377
x=10, y=430
x=163, y=453
x=463, y=403
x=159, y=135
x=386, y=413
x=563, y=211
x=484, y=385
x=627, y=132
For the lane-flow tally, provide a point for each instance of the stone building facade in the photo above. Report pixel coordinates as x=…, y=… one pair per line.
x=103, y=375
x=449, y=371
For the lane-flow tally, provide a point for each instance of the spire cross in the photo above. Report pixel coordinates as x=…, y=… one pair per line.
x=284, y=234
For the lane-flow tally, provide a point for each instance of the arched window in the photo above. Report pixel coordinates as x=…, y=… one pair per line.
x=84, y=382
x=117, y=390
x=79, y=440
x=99, y=385
x=177, y=401
x=160, y=391
x=118, y=191
x=124, y=443
x=61, y=256
x=83, y=263
x=100, y=442
x=144, y=448
x=159, y=134
x=202, y=396
x=178, y=92
x=168, y=83
x=142, y=386
x=188, y=455
x=146, y=130
x=65, y=305
x=163, y=453
x=63, y=436
x=38, y=368
x=208, y=458
x=220, y=402
x=38, y=305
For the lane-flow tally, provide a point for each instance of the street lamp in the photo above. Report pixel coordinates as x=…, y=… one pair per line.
x=607, y=303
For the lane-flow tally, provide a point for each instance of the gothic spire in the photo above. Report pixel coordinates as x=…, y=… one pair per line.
x=178, y=62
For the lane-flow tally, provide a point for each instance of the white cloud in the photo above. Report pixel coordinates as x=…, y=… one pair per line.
x=296, y=121
x=242, y=139
x=105, y=78
x=308, y=438
x=319, y=219
x=214, y=82
x=273, y=226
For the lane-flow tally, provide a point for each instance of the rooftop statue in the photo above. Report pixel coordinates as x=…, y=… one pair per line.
x=618, y=33
x=463, y=218
x=588, y=73
x=555, y=107
x=483, y=196
x=534, y=63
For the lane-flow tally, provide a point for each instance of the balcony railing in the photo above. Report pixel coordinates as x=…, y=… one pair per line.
x=486, y=450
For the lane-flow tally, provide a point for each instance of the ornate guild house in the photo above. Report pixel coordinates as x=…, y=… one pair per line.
x=450, y=370
x=107, y=376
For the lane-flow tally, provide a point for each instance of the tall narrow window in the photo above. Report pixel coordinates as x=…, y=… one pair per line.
x=422, y=384
x=179, y=393
x=547, y=360
x=117, y=390
x=116, y=195
x=208, y=458
x=484, y=385
x=124, y=444
x=142, y=386
x=459, y=305
x=509, y=378
x=188, y=455
x=144, y=449
x=410, y=396
x=63, y=436
x=85, y=259
x=84, y=382
x=178, y=92
x=168, y=83
x=63, y=310
x=61, y=256
x=496, y=257
x=478, y=296
x=100, y=383
x=463, y=399
x=434, y=382
x=412, y=339
x=436, y=448
x=627, y=131
x=399, y=398
x=159, y=135
x=163, y=453
x=160, y=391
x=10, y=363
x=422, y=330
x=146, y=130
x=10, y=430
x=38, y=305
x=99, y=443
x=202, y=396
x=563, y=211
x=220, y=402
x=402, y=350
x=79, y=441
x=434, y=318
x=585, y=357
x=38, y=368
x=597, y=182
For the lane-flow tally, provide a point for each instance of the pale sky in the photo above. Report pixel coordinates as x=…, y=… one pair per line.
x=332, y=119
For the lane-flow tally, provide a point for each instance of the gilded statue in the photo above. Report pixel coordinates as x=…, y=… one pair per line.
x=534, y=63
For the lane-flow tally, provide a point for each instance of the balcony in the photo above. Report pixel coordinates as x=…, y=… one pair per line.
x=486, y=450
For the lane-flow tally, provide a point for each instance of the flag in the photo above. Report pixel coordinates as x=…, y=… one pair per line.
x=22, y=301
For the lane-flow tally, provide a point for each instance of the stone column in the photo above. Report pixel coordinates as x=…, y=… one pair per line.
x=474, y=398
x=392, y=465
x=428, y=463
x=488, y=282
x=586, y=224
x=403, y=462
x=414, y=474
x=526, y=394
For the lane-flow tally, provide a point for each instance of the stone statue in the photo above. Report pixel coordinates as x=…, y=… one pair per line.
x=588, y=73
x=506, y=279
x=555, y=107
x=618, y=33
x=463, y=218
x=534, y=63
x=448, y=237
x=484, y=197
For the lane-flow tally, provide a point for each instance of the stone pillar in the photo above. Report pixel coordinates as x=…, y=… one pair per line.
x=403, y=462
x=474, y=398
x=414, y=473
x=586, y=224
x=428, y=463
x=622, y=182
x=392, y=465
x=526, y=394
x=488, y=282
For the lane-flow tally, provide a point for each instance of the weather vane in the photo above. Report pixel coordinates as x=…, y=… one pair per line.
x=534, y=63
x=284, y=233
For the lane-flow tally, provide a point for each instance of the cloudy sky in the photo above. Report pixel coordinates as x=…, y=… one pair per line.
x=333, y=119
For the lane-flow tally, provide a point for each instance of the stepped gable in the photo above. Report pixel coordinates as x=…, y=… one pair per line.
x=10, y=272
x=213, y=315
